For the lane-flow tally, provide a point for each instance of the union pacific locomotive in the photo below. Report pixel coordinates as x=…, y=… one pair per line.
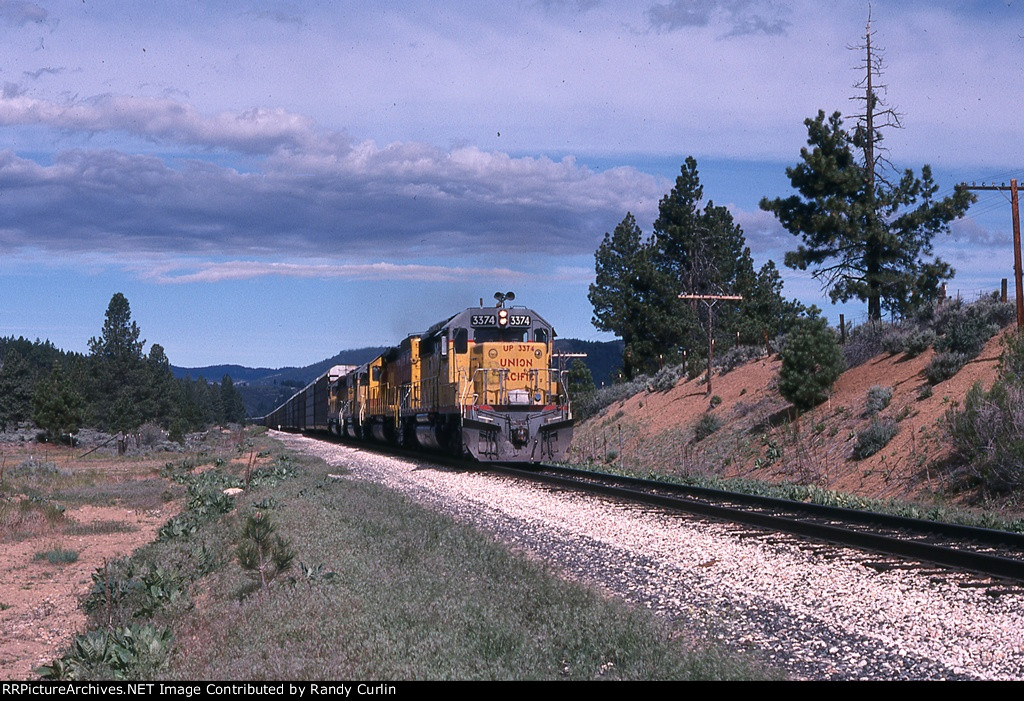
x=479, y=384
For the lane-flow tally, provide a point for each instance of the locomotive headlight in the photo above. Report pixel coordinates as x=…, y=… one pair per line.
x=492, y=354
x=503, y=317
x=537, y=353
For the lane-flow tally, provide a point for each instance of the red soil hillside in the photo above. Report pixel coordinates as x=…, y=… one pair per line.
x=655, y=430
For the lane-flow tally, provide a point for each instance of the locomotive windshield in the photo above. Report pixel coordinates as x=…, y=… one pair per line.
x=490, y=335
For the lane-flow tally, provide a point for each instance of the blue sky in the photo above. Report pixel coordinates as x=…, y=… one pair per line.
x=271, y=182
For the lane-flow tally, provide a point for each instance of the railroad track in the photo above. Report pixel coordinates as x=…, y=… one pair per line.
x=986, y=552
x=981, y=551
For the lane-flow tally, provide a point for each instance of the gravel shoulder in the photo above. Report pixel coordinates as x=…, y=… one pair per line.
x=810, y=616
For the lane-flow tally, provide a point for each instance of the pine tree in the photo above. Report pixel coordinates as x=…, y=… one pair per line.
x=118, y=370
x=57, y=407
x=811, y=362
x=16, y=390
x=579, y=380
x=631, y=298
x=695, y=248
x=865, y=234
x=119, y=345
x=158, y=392
x=231, y=406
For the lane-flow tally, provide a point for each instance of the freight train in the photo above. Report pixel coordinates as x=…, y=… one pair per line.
x=478, y=384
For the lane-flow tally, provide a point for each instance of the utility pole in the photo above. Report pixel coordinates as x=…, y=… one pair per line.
x=1012, y=187
x=711, y=300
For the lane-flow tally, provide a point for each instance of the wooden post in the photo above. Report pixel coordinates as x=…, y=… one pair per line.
x=710, y=300
x=1016, y=254
x=1015, y=211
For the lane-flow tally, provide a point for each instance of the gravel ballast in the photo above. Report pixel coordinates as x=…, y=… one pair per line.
x=811, y=614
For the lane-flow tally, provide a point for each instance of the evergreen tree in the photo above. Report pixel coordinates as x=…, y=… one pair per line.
x=118, y=346
x=579, y=380
x=631, y=298
x=118, y=371
x=16, y=390
x=702, y=251
x=864, y=235
x=764, y=312
x=158, y=389
x=695, y=248
x=811, y=362
x=232, y=409
x=58, y=408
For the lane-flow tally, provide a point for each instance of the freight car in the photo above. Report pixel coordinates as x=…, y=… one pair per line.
x=479, y=384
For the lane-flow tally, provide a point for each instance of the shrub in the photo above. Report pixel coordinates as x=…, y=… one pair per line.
x=695, y=367
x=965, y=328
x=811, y=363
x=894, y=341
x=666, y=378
x=878, y=399
x=943, y=366
x=987, y=433
x=966, y=335
x=736, y=356
x=917, y=342
x=874, y=438
x=1011, y=361
x=868, y=340
x=593, y=402
x=57, y=556
x=705, y=426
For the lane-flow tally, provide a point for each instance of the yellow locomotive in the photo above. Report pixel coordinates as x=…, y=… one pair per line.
x=479, y=383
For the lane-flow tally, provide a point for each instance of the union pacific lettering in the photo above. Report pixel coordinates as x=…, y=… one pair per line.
x=517, y=362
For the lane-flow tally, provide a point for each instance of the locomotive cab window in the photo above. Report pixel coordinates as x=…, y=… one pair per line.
x=461, y=341
x=489, y=335
x=540, y=335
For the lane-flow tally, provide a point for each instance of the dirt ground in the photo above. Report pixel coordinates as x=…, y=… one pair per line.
x=39, y=601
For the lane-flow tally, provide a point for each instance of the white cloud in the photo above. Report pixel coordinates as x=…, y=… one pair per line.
x=182, y=272
x=257, y=130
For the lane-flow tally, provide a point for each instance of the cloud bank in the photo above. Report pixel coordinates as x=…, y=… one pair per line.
x=308, y=192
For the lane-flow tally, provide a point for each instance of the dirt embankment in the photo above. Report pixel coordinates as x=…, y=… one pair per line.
x=756, y=438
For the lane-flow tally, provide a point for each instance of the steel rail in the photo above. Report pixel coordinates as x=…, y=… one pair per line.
x=988, y=536
x=984, y=563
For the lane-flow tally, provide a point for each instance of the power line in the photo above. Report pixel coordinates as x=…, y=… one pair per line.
x=1012, y=187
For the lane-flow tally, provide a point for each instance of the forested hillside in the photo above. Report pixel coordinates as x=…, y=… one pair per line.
x=116, y=387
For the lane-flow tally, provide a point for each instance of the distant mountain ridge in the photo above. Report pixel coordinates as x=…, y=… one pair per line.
x=290, y=374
